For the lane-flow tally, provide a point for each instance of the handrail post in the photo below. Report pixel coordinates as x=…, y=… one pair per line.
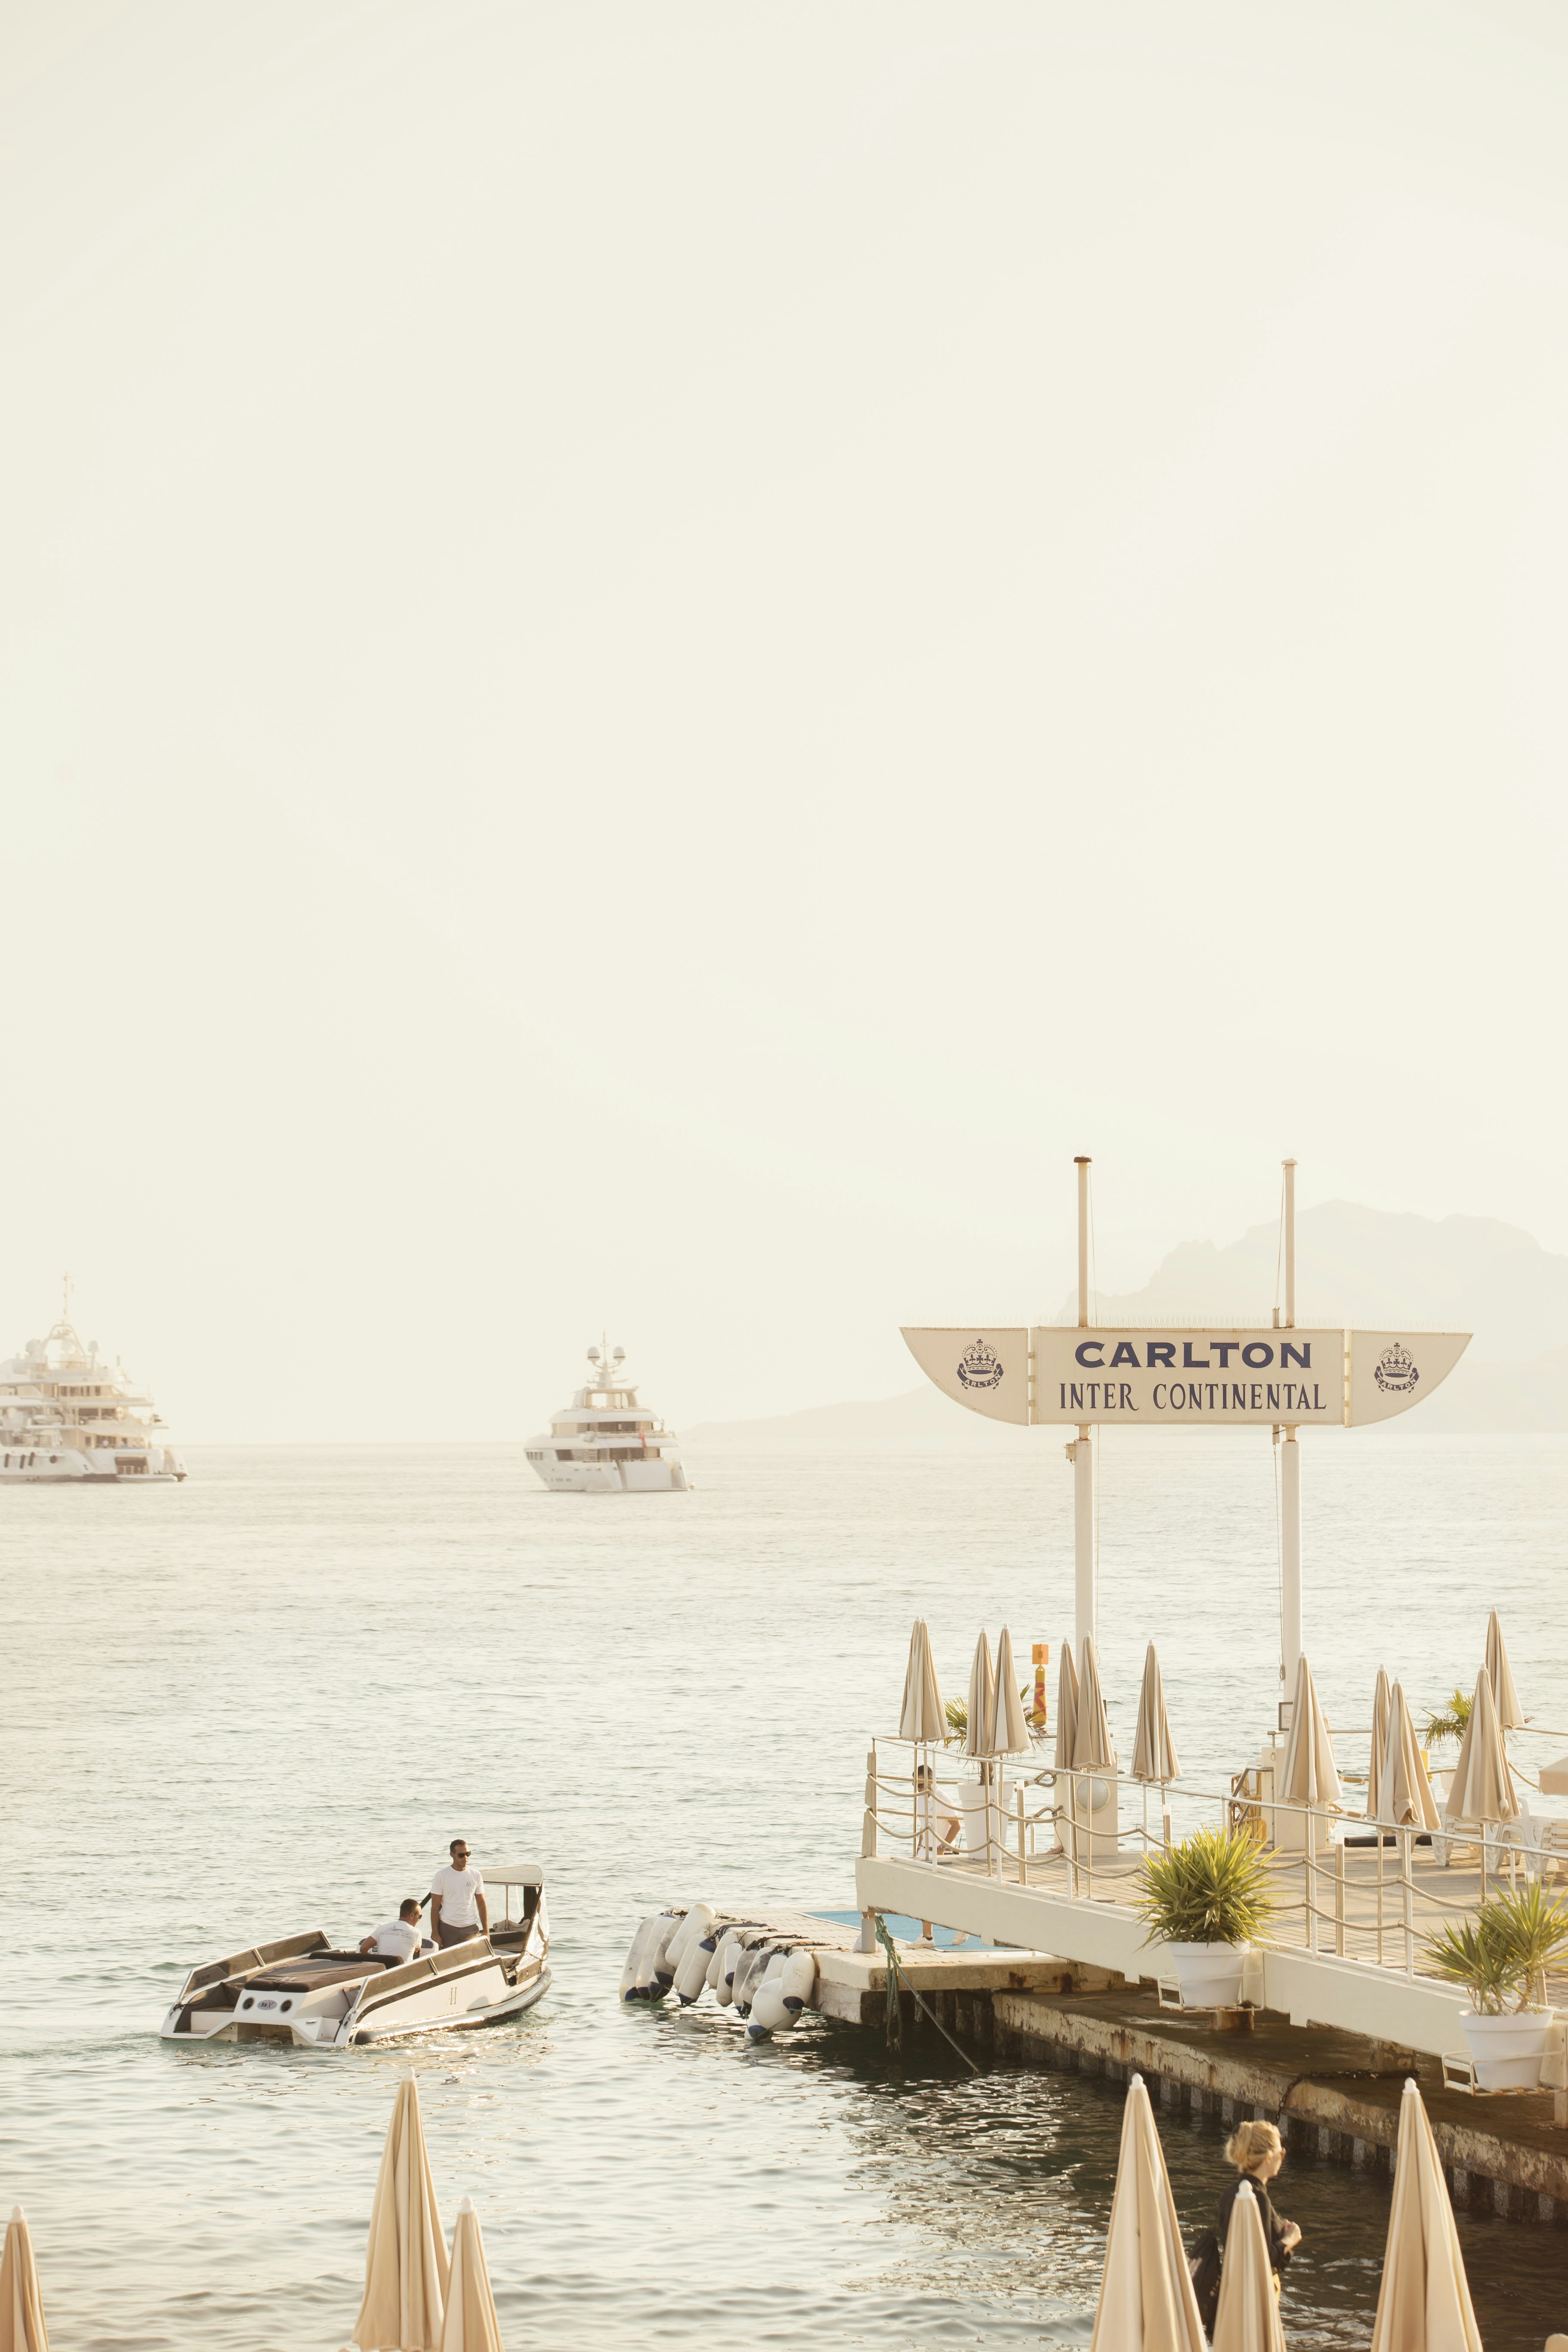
x=1310, y=1882
x=1023, y=1859
x=1407, y=1867
x=1340, y=1899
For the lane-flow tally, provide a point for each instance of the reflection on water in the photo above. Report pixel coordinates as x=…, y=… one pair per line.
x=265, y=1700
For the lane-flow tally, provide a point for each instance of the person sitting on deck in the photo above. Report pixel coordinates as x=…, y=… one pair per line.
x=398, y=1939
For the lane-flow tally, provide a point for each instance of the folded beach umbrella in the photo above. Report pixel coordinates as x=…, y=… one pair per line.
x=1423, y=2301
x=1310, y=1776
x=1092, y=1743
x=1381, y=1701
x=1009, y=1730
x=1155, y=1754
x=1482, y=1786
x=1509, y=1713
x=923, y=1717
x=982, y=1701
x=1246, y=2318
x=1405, y=1797
x=1146, y=2299
x=406, y=2266
x=1067, y=1710
x=471, y=2324
x=22, y=2326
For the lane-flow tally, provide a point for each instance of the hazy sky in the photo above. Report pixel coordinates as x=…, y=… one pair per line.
x=655, y=653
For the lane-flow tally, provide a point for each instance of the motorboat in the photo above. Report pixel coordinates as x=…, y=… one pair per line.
x=69, y=1417
x=305, y=1990
x=604, y=1442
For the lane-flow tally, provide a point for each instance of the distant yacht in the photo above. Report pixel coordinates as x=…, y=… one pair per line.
x=605, y=1443
x=67, y=1415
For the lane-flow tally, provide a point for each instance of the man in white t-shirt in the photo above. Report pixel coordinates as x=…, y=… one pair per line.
x=398, y=1939
x=457, y=1906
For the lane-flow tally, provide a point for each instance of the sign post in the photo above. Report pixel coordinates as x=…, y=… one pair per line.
x=1086, y=1592
x=1289, y=1489
x=1281, y=1378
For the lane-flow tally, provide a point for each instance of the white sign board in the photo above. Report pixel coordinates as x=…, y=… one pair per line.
x=1183, y=1380
x=1391, y=1370
x=1216, y=1379
x=987, y=1371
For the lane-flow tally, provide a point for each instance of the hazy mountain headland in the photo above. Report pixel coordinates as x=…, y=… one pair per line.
x=1366, y=1269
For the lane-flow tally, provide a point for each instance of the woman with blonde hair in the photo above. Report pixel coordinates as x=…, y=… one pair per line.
x=1258, y=2152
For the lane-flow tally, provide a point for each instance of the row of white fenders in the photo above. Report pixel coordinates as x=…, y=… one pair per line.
x=768, y=1978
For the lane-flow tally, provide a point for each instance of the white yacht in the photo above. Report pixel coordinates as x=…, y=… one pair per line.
x=67, y=1415
x=605, y=1443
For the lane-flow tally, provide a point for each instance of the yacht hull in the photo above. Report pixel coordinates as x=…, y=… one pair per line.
x=661, y=1477
x=34, y=1467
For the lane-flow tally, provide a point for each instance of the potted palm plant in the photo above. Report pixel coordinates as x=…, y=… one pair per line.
x=1206, y=1899
x=1500, y=1956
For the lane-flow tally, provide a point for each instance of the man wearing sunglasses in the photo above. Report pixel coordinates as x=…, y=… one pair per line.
x=457, y=1906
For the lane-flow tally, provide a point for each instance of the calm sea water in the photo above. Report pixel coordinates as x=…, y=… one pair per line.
x=265, y=1701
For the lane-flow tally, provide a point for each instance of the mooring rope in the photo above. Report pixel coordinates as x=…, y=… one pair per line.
x=894, y=2014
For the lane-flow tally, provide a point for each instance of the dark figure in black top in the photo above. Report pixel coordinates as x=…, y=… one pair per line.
x=1257, y=2153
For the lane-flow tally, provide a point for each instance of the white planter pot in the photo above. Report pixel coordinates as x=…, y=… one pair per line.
x=1209, y=1974
x=1506, y=2052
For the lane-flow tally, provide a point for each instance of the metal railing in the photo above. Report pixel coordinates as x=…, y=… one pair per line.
x=1038, y=1828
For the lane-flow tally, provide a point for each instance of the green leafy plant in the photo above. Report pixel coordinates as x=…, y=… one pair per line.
x=957, y=1713
x=1212, y=1888
x=1450, y=1721
x=1502, y=1956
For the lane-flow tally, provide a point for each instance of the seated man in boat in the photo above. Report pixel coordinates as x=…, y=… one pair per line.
x=457, y=1906
x=398, y=1939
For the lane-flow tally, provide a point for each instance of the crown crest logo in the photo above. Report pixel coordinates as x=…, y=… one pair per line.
x=1395, y=1370
x=978, y=1367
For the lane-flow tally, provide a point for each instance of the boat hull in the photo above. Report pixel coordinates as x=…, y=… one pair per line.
x=302, y=1992
x=34, y=1467
x=658, y=1477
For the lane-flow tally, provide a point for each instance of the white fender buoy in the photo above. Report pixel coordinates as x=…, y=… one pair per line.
x=798, y=1982
x=768, y=2011
x=724, y=1937
x=717, y=1965
x=732, y=1952
x=691, y=1975
x=655, y=1977
x=633, y=1968
x=696, y=1922
x=749, y=1974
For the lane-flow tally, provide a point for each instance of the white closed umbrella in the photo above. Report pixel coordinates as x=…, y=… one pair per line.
x=982, y=1701
x=22, y=2326
x=1155, y=1754
x=1510, y=1714
x=1382, y=1701
x=1009, y=1730
x=923, y=1717
x=1309, y=1775
x=1246, y=2317
x=1482, y=1786
x=406, y=2265
x=471, y=2325
x=1067, y=1710
x=1405, y=1797
x=1423, y=2301
x=1146, y=2299
x=1091, y=1742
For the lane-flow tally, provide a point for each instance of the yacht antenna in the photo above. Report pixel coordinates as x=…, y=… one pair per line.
x=65, y=1298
